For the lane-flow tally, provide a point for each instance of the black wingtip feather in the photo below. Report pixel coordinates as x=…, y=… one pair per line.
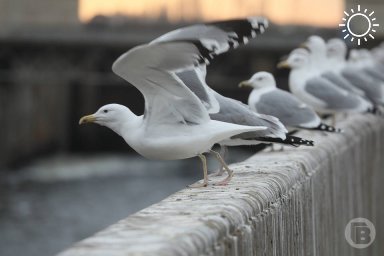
x=297, y=141
x=238, y=32
x=327, y=128
x=375, y=111
x=245, y=29
x=206, y=55
x=289, y=140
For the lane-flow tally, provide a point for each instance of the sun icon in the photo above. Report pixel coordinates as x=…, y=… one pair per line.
x=364, y=19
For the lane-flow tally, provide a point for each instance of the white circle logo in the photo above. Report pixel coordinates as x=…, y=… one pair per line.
x=366, y=17
x=360, y=233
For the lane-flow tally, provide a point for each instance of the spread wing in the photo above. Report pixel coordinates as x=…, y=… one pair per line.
x=194, y=79
x=153, y=68
x=212, y=39
x=218, y=37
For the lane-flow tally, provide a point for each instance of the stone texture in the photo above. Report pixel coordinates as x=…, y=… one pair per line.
x=295, y=202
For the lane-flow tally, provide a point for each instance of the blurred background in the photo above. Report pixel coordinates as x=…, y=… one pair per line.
x=60, y=182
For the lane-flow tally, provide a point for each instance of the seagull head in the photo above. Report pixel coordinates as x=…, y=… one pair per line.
x=364, y=54
x=336, y=48
x=259, y=80
x=298, y=58
x=360, y=57
x=314, y=43
x=111, y=116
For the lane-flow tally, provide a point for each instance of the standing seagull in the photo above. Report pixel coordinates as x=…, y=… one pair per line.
x=363, y=60
x=337, y=51
x=322, y=95
x=267, y=99
x=176, y=124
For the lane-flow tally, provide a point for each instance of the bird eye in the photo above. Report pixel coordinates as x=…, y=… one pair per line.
x=105, y=110
x=259, y=79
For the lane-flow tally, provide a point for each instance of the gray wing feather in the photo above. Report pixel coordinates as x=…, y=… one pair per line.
x=233, y=111
x=195, y=80
x=151, y=69
x=373, y=90
x=375, y=73
x=287, y=108
x=334, y=97
x=342, y=82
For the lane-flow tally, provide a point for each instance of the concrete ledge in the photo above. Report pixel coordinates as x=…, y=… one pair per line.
x=295, y=202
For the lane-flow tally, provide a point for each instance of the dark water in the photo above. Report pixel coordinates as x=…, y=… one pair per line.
x=53, y=203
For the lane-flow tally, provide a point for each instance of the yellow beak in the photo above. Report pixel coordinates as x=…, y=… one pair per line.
x=244, y=84
x=305, y=46
x=283, y=64
x=87, y=119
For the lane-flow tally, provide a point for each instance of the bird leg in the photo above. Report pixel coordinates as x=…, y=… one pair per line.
x=229, y=171
x=205, y=171
x=223, y=153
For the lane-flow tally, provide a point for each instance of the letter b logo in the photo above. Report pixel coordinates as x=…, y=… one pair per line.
x=360, y=233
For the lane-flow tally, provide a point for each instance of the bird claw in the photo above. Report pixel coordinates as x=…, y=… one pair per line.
x=222, y=183
x=198, y=185
x=225, y=181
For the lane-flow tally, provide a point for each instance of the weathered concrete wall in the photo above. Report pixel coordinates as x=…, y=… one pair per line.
x=295, y=202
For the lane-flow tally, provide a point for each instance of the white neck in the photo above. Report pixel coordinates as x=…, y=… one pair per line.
x=318, y=62
x=298, y=77
x=336, y=63
x=126, y=125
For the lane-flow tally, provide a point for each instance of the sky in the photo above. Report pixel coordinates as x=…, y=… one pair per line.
x=325, y=13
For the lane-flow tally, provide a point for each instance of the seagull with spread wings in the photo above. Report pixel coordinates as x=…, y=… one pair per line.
x=176, y=122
